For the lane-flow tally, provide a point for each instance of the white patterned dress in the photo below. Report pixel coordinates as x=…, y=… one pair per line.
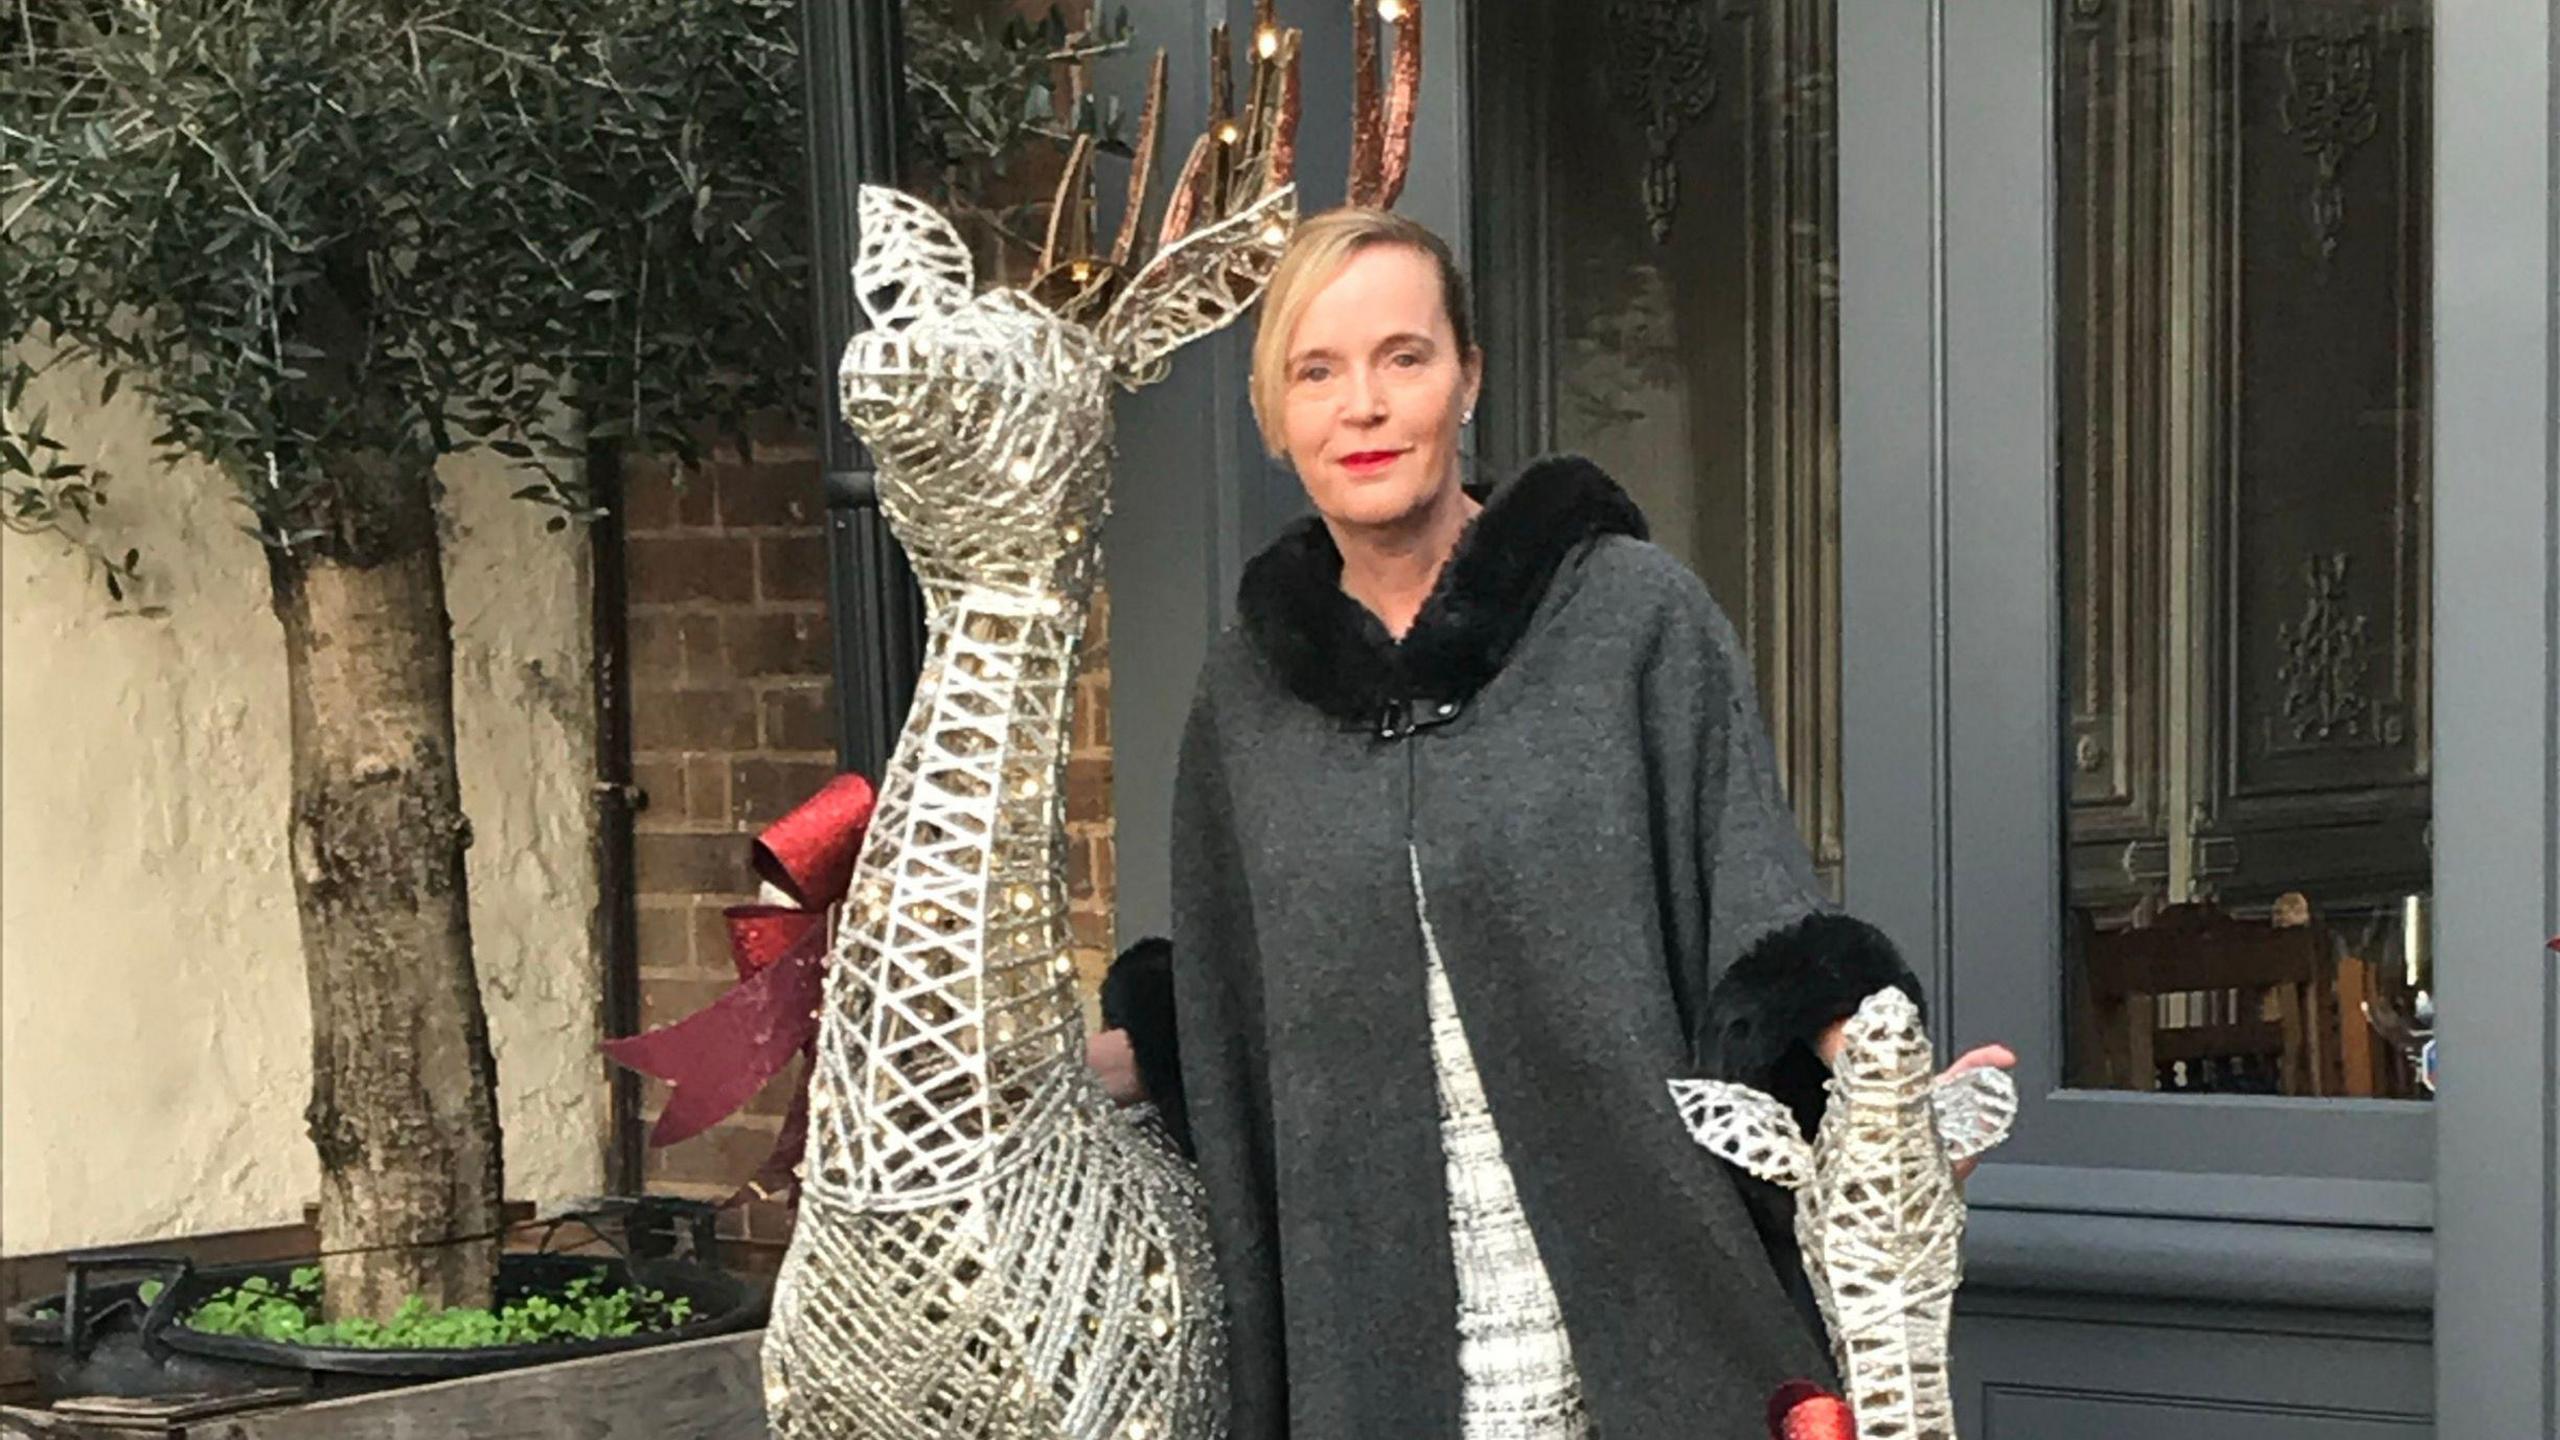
x=1514, y=1360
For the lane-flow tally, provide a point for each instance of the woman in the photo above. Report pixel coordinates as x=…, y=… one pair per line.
x=1478, y=843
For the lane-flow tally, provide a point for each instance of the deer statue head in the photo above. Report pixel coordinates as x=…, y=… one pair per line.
x=989, y=414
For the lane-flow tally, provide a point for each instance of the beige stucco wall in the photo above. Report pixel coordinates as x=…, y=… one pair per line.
x=154, y=1029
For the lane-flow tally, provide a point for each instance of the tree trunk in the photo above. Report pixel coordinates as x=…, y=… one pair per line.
x=403, y=1085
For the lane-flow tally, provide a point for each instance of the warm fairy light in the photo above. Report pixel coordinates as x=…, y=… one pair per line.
x=1228, y=133
x=1266, y=41
x=1274, y=233
x=1081, y=271
x=1391, y=10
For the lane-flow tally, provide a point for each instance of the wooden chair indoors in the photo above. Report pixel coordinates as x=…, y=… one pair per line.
x=2201, y=1001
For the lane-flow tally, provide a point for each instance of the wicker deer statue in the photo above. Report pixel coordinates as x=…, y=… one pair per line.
x=985, y=1246
x=1878, y=1216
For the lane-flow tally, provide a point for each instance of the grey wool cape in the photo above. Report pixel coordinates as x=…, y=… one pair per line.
x=1568, y=741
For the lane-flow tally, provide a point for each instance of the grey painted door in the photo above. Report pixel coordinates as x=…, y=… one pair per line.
x=2156, y=1264
x=2497, y=442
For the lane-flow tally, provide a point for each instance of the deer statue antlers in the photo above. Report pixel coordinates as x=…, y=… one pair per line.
x=1238, y=159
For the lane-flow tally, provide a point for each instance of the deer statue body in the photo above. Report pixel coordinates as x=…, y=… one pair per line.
x=987, y=1247
x=1878, y=1216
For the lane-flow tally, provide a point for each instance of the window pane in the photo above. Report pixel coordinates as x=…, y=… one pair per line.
x=2243, y=275
x=1691, y=180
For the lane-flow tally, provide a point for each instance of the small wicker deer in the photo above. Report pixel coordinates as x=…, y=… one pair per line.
x=1878, y=1215
x=985, y=1246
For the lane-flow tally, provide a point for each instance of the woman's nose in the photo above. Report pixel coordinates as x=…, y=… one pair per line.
x=1367, y=400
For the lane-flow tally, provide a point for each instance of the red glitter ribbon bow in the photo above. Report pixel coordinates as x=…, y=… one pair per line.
x=1802, y=1410
x=721, y=1055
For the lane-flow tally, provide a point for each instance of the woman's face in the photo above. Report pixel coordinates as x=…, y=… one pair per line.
x=1376, y=391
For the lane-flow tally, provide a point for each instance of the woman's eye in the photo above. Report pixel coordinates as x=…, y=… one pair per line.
x=1314, y=374
x=1408, y=360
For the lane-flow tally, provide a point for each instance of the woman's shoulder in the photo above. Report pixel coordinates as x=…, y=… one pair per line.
x=1234, y=680
x=1625, y=580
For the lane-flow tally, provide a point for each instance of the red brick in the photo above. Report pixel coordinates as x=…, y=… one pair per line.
x=768, y=1221
x=693, y=720
x=764, y=790
x=1089, y=787
x=1090, y=928
x=706, y=791
x=792, y=567
x=703, y=952
x=711, y=938
x=1093, y=714
x=1091, y=965
x=778, y=644
x=800, y=717
x=657, y=648
x=683, y=648
x=661, y=785
x=1102, y=864
x=665, y=940
x=689, y=569
x=665, y=1000
x=656, y=495
x=769, y=494
x=728, y=1153
x=694, y=865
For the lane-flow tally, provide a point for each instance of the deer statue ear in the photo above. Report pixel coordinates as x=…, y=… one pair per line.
x=911, y=264
x=1746, y=1128
x=1197, y=284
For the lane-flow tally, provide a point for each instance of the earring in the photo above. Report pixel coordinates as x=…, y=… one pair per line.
x=1468, y=418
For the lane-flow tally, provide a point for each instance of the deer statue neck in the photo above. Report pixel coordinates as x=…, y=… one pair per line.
x=959, y=1030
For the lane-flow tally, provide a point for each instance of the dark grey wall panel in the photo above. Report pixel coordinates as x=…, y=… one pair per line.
x=1173, y=492
x=2116, y=1372
x=2021, y=1412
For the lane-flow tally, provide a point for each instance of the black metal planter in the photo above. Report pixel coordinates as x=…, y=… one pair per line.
x=101, y=1338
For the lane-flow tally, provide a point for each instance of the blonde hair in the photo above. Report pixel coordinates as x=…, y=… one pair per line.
x=1317, y=252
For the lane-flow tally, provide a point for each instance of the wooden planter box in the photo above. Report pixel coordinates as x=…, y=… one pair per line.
x=699, y=1390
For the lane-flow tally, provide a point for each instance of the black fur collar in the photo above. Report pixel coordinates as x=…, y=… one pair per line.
x=1333, y=654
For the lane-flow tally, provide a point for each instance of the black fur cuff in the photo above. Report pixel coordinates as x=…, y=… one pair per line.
x=1137, y=997
x=1776, y=1000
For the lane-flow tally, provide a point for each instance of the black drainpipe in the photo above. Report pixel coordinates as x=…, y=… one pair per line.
x=618, y=802
x=855, y=78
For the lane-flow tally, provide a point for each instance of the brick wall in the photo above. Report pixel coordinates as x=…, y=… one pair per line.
x=1090, y=875
x=733, y=723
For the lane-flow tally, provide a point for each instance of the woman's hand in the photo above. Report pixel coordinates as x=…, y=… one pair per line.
x=1985, y=1057
x=1116, y=1065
